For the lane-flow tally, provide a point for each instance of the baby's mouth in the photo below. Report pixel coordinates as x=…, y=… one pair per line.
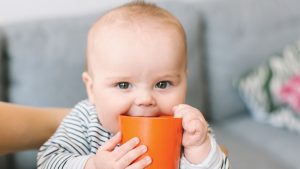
x=145, y=113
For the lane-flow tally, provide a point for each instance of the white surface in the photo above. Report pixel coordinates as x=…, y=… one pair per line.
x=12, y=11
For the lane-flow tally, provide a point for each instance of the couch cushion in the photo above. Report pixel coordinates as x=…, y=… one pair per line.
x=46, y=59
x=239, y=36
x=256, y=145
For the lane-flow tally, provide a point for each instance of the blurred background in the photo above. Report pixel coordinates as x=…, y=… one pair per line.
x=18, y=11
x=244, y=68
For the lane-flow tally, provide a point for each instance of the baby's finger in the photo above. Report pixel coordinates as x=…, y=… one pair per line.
x=179, y=110
x=188, y=115
x=191, y=115
x=112, y=143
x=194, y=126
x=182, y=109
x=132, y=155
x=193, y=139
x=141, y=163
x=126, y=147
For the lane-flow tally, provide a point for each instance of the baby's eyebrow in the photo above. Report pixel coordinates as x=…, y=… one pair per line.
x=128, y=78
x=177, y=76
x=117, y=77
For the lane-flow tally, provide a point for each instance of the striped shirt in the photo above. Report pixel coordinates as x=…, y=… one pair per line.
x=81, y=134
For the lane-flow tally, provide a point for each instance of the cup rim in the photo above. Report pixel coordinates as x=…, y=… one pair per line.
x=149, y=117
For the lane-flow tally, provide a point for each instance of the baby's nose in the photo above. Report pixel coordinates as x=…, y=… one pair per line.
x=145, y=98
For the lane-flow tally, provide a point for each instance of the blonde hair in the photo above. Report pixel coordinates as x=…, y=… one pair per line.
x=137, y=12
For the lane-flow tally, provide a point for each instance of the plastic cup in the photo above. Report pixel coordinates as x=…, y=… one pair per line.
x=162, y=136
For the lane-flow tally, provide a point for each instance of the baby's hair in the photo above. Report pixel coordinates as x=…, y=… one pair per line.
x=136, y=12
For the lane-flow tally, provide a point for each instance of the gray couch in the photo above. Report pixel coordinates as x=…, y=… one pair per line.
x=42, y=61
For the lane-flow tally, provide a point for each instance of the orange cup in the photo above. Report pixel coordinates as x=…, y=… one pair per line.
x=162, y=136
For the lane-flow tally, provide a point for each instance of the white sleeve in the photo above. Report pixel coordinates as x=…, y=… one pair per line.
x=216, y=159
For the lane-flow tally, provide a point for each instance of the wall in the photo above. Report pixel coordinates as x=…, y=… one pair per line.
x=18, y=11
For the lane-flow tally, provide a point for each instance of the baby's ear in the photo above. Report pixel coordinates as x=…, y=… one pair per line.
x=88, y=81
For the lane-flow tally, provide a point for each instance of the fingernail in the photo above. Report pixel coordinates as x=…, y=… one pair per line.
x=136, y=140
x=148, y=159
x=143, y=148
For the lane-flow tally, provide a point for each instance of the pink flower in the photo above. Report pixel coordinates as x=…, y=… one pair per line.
x=290, y=93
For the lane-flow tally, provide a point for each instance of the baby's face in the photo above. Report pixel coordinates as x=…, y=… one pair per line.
x=136, y=74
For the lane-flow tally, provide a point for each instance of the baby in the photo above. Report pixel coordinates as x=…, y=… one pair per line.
x=136, y=65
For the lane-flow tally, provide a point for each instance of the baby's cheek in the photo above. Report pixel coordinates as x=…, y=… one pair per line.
x=167, y=113
x=166, y=104
x=109, y=122
x=164, y=110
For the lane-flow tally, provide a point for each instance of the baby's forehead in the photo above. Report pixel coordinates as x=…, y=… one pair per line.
x=131, y=22
x=133, y=17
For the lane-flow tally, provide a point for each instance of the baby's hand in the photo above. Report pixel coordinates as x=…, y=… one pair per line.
x=195, y=138
x=109, y=156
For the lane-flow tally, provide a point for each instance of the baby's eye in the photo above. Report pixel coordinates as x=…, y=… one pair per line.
x=162, y=84
x=123, y=85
